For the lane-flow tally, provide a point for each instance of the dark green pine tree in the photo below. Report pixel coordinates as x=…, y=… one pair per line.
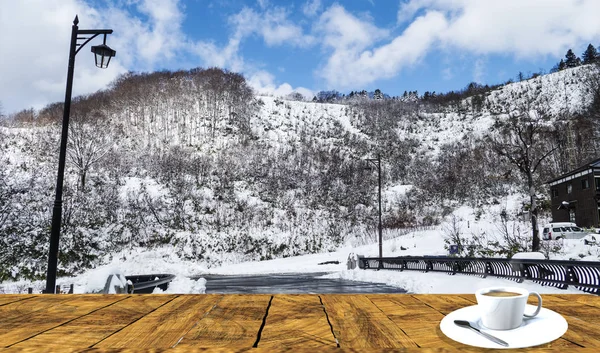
x=572, y=59
x=562, y=65
x=377, y=94
x=590, y=55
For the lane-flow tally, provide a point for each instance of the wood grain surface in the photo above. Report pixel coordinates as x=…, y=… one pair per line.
x=260, y=323
x=7, y=299
x=234, y=321
x=25, y=319
x=359, y=323
x=297, y=321
x=90, y=329
x=165, y=326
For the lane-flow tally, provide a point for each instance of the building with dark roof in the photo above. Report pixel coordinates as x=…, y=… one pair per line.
x=575, y=196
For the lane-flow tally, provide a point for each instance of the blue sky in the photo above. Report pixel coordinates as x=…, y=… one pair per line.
x=293, y=45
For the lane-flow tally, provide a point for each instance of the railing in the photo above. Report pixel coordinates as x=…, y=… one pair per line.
x=583, y=275
x=147, y=283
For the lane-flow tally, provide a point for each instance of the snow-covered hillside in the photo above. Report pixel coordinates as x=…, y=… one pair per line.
x=208, y=179
x=559, y=94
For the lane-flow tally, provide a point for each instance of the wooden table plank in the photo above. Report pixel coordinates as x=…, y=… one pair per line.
x=298, y=349
x=234, y=321
x=90, y=329
x=47, y=312
x=294, y=350
x=420, y=322
x=27, y=306
x=358, y=323
x=589, y=313
x=587, y=299
x=164, y=327
x=361, y=322
x=297, y=321
x=445, y=304
x=11, y=298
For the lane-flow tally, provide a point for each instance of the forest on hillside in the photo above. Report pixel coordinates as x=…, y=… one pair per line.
x=194, y=161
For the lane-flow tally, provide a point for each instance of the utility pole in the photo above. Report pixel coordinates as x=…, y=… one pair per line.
x=376, y=162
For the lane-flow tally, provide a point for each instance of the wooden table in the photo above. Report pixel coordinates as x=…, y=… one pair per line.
x=257, y=323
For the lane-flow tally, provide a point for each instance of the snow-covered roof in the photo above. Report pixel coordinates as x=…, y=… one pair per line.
x=587, y=168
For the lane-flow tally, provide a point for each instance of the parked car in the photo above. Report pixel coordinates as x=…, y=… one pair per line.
x=562, y=230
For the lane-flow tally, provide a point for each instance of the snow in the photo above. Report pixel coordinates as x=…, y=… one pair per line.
x=415, y=243
x=279, y=123
x=95, y=280
x=529, y=255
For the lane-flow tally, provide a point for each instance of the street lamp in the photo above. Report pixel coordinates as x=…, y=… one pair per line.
x=103, y=55
x=376, y=162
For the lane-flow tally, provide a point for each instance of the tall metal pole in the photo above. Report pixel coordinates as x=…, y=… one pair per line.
x=57, y=210
x=380, y=235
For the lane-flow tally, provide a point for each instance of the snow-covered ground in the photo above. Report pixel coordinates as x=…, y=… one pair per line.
x=418, y=243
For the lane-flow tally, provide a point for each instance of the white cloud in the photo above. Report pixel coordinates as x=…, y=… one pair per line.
x=159, y=38
x=35, y=39
x=224, y=57
x=447, y=73
x=343, y=31
x=479, y=70
x=263, y=4
x=272, y=25
x=34, y=62
x=264, y=83
x=311, y=7
x=524, y=29
x=353, y=63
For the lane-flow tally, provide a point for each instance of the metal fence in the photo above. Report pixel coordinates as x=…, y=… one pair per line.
x=583, y=275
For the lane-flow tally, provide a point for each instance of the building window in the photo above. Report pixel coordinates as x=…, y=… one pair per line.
x=554, y=193
x=569, y=188
x=572, y=216
x=597, y=184
x=585, y=183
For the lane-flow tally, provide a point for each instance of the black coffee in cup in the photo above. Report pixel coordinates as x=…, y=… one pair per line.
x=501, y=294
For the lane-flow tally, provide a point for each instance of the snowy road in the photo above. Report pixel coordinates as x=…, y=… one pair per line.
x=291, y=283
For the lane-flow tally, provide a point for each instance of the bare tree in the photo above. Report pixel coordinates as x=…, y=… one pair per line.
x=90, y=139
x=522, y=141
x=5, y=194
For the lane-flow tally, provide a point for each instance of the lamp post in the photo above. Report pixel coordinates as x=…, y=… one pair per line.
x=376, y=162
x=103, y=54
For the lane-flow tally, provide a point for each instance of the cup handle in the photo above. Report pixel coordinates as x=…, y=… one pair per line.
x=539, y=306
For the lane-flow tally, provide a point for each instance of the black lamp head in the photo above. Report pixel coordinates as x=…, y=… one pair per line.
x=103, y=53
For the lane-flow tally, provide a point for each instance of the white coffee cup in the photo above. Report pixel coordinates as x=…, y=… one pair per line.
x=504, y=312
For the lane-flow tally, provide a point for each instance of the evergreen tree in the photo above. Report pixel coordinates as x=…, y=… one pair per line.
x=590, y=55
x=562, y=65
x=377, y=94
x=572, y=59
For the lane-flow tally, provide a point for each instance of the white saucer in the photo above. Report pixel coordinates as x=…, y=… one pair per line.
x=545, y=327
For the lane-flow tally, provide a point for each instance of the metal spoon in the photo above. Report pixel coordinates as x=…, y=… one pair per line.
x=466, y=324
